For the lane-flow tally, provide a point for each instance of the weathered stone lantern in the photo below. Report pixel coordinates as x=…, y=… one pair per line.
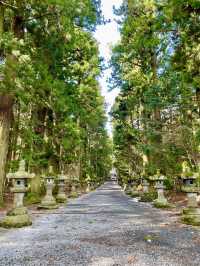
x=49, y=202
x=61, y=196
x=191, y=214
x=161, y=201
x=18, y=216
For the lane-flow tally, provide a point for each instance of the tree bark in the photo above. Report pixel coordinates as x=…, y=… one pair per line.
x=6, y=104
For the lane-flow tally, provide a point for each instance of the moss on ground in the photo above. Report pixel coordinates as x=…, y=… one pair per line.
x=61, y=200
x=73, y=195
x=32, y=198
x=161, y=205
x=190, y=220
x=148, y=197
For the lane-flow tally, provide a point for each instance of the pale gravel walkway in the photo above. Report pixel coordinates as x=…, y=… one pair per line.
x=103, y=228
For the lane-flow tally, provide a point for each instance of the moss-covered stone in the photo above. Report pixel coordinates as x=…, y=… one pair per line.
x=191, y=216
x=18, y=211
x=16, y=221
x=74, y=194
x=190, y=220
x=61, y=199
x=48, y=205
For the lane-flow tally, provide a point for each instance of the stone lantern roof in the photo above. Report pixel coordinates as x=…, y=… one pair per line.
x=21, y=173
x=157, y=177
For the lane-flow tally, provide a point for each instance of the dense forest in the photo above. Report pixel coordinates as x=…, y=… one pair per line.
x=156, y=116
x=51, y=109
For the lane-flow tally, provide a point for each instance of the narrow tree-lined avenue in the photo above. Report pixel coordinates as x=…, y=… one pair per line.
x=71, y=191
x=103, y=228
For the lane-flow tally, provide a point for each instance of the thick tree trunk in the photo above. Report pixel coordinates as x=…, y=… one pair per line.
x=6, y=103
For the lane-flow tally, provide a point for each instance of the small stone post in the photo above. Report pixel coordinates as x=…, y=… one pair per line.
x=18, y=216
x=49, y=202
x=61, y=197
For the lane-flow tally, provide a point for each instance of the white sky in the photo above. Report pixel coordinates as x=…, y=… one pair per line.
x=108, y=35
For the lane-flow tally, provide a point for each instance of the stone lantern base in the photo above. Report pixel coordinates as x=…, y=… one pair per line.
x=16, y=218
x=191, y=216
x=61, y=198
x=48, y=203
x=161, y=201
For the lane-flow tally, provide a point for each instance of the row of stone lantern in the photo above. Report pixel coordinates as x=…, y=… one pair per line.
x=190, y=214
x=18, y=216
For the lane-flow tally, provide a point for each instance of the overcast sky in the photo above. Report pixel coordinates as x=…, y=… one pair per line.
x=108, y=35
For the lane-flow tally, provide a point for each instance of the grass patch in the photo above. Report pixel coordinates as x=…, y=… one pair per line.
x=162, y=205
x=32, y=198
x=148, y=197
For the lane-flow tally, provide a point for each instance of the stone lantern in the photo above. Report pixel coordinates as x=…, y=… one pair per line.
x=61, y=196
x=161, y=201
x=49, y=202
x=191, y=214
x=18, y=216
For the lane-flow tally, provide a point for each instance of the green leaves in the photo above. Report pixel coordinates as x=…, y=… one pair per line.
x=156, y=65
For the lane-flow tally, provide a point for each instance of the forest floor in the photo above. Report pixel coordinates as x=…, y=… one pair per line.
x=102, y=228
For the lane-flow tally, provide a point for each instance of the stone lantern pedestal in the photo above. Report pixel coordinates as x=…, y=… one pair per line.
x=191, y=214
x=18, y=216
x=49, y=202
x=161, y=201
x=61, y=196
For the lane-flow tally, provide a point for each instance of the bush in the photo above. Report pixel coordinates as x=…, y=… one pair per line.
x=148, y=197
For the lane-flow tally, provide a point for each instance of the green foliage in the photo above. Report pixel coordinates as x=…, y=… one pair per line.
x=156, y=66
x=148, y=197
x=32, y=198
x=50, y=67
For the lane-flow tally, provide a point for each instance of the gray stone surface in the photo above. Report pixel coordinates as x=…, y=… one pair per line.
x=103, y=228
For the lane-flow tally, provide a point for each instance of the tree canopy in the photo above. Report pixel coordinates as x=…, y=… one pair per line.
x=156, y=65
x=51, y=108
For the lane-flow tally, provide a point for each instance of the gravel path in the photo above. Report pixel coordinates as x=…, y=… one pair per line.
x=103, y=228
